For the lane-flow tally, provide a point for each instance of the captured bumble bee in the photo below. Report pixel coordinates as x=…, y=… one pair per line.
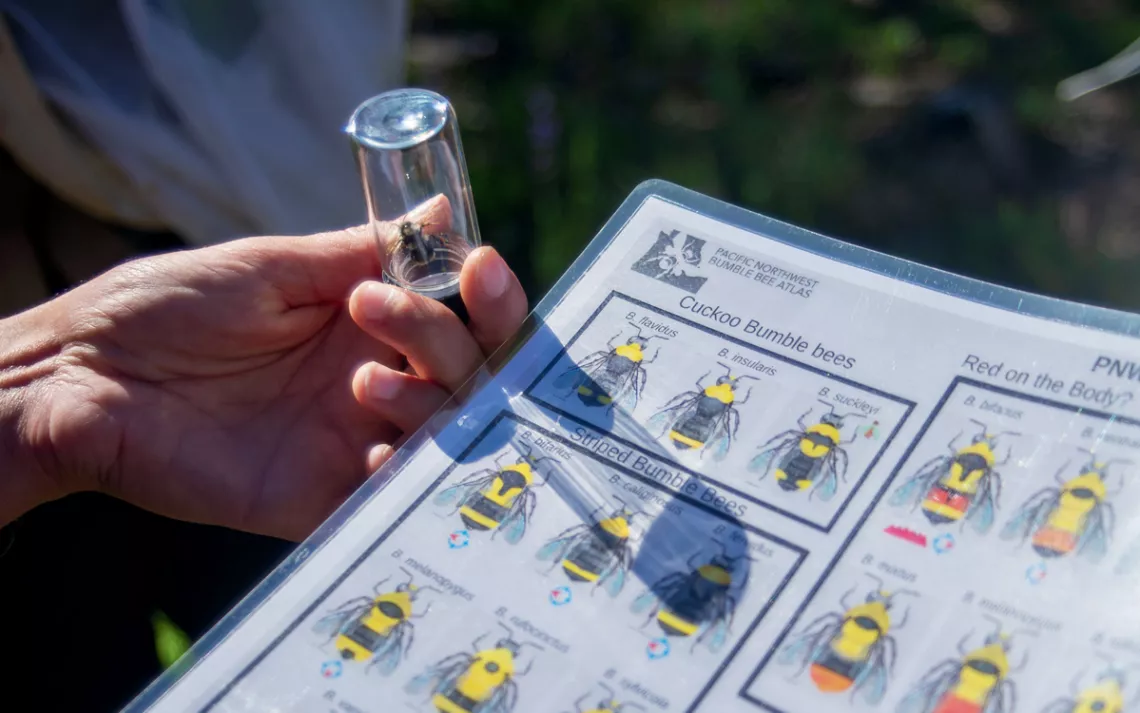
x=975, y=682
x=500, y=499
x=705, y=418
x=479, y=682
x=850, y=649
x=616, y=376
x=378, y=630
x=1074, y=517
x=698, y=602
x=600, y=553
x=422, y=250
x=812, y=458
x=1106, y=693
x=608, y=704
x=963, y=486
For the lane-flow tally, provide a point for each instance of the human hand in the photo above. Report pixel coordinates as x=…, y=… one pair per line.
x=254, y=384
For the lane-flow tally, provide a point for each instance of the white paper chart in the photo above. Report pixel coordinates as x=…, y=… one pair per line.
x=732, y=466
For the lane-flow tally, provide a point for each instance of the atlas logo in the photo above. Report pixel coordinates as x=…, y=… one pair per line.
x=674, y=259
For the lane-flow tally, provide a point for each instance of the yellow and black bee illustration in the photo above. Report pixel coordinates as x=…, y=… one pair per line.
x=600, y=553
x=500, y=499
x=1106, y=693
x=377, y=629
x=1074, y=517
x=850, y=649
x=705, y=418
x=478, y=682
x=608, y=704
x=699, y=602
x=812, y=458
x=975, y=682
x=963, y=486
x=613, y=376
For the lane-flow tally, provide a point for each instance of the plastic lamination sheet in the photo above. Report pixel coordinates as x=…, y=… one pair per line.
x=731, y=465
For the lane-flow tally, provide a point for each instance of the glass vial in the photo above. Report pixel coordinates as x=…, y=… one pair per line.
x=416, y=188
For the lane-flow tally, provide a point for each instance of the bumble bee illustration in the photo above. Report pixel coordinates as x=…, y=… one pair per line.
x=614, y=376
x=812, y=458
x=500, y=499
x=975, y=682
x=1106, y=693
x=963, y=486
x=600, y=553
x=1073, y=517
x=608, y=704
x=479, y=682
x=707, y=418
x=699, y=602
x=378, y=629
x=850, y=649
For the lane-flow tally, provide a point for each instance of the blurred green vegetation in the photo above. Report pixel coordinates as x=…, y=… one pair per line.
x=926, y=130
x=170, y=641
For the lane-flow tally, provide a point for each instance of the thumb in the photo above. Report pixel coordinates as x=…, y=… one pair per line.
x=494, y=298
x=325, y=267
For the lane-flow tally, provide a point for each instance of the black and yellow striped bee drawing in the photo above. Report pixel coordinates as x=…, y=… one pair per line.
x=484, y=681
x=976, y=681
x=1106, y=692
x=1075, y=517
x=614, y=376
x=600, y=553
x=376, y=629
x=499, y=499
x=698, y=603
x=851, y=649
x=705, y=419
x=812, y=458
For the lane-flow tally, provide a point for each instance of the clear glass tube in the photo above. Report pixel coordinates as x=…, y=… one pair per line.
x=416, y=188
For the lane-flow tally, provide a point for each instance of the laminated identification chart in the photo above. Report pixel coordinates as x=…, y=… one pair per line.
x=731, y=466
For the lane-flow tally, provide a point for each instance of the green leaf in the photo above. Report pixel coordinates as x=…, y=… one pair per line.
x=170, y=642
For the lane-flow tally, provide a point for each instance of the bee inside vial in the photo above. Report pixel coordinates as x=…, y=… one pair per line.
x=424, y=254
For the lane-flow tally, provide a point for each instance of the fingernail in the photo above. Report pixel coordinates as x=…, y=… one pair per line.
x=383, y=386
x=378, y=454
x=493, y=275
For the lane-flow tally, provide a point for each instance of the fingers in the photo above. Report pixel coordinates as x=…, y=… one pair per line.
x=324, y=267
x=405, y=400
x=494, y=298
x=378, y=455
x=434, y=341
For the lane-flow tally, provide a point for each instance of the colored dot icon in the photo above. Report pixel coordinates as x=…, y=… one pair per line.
x=331, y=669
x=458, y=539
x=1036, y=573
x=657, y=649
x=560, y=596
x=943, y=543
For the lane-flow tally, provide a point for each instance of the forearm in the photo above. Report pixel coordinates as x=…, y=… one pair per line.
x=29, y=347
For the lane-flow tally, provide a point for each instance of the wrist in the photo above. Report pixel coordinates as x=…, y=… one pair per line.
x=29, y=357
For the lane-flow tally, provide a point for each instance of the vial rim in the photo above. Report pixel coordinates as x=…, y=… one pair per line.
x=352, y=127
